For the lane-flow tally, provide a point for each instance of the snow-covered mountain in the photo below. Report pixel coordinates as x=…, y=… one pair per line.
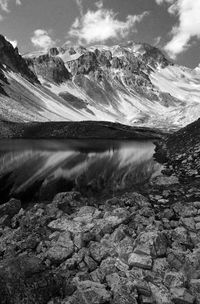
x=130, y=83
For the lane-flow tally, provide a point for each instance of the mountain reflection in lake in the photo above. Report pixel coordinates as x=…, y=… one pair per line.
x=42, y=168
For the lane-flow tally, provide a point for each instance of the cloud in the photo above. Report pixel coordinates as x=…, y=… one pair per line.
x=188, y=26
x=162, y=1
x=79, y=3
x=5, y=3
x=102, y=24
x=42, y=40
x=99, y=4
x=157, y=40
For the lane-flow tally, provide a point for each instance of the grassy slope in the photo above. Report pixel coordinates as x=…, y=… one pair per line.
x=86, y=129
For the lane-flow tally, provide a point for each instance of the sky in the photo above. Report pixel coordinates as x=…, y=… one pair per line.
x=171, y=25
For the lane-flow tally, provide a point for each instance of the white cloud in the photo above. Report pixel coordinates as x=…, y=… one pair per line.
x=102, y=24
x=42, y=40
x=99, y=4
x=188, y=27
x=157, y=40
x=5, y=3
x=162, y=1
x=79, y=3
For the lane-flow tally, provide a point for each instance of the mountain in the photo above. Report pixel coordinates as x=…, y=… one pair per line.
x=131, y=83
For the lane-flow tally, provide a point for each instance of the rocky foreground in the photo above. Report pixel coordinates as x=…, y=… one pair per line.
x=136, y=248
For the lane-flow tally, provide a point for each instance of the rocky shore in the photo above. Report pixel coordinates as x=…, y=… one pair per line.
x=135, y=248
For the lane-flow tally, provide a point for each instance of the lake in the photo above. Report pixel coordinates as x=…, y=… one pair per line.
x=41, y=168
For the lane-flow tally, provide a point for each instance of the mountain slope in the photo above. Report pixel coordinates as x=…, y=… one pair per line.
x=130, y=83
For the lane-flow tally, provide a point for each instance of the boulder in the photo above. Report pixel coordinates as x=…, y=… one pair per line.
x=90, y=293
x=195, y=288
x=100, y=251
x=67, y=201
x=140, y=260
x=60, y=249
x=123, y=290
x=10, y=208
x=160, y=294
x=176, y=259
x=65, y=224
x=181, y=296
x=151, y=243
x=174, y=279
x=189, y=223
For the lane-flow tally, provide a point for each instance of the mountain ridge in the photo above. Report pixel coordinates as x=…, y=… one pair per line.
x=131, y=83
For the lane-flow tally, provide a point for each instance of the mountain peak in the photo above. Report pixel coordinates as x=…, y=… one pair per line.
x=12, y=60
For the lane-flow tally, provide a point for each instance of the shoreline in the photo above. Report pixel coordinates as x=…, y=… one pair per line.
x=76, y=130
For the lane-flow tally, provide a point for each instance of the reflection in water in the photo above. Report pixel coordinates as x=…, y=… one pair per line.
x=44, y=168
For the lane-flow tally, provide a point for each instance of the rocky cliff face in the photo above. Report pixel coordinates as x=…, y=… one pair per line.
x=12, y=60
x=120, y=63
x=49, y=67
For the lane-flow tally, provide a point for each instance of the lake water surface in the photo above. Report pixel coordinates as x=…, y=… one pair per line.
x=42, y=168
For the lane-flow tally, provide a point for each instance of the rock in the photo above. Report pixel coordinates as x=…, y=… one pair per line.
x=174, y=279
x=160, y=294
x=97, y=275
x=140, y=260
x=147, y=300
x=188, y=211
x=122, y=289
x=108, y=266
x=90, y=293
x=139, y=200
x=168, y=214
x=100, y=251
x=189, y=223
x=151, y=242
x=121, y=265
x=197, y=205
x=181, y=236
x=10, y=208
x=176, y=259
x=24, y=280
x=142, y=287
x=181, y=296
x=5, y=221
x=192, y=263
x=197, y=226
x=51, y=68
x=119, y=234
x=195, y=289
x=66, y=201
x=92, y=265
x=61, y=249
x=197, y=219
x=64, y=224
x=11, y=58
x=165, y=181
x=160, y=267
x=124, y=248
x=53, y=51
